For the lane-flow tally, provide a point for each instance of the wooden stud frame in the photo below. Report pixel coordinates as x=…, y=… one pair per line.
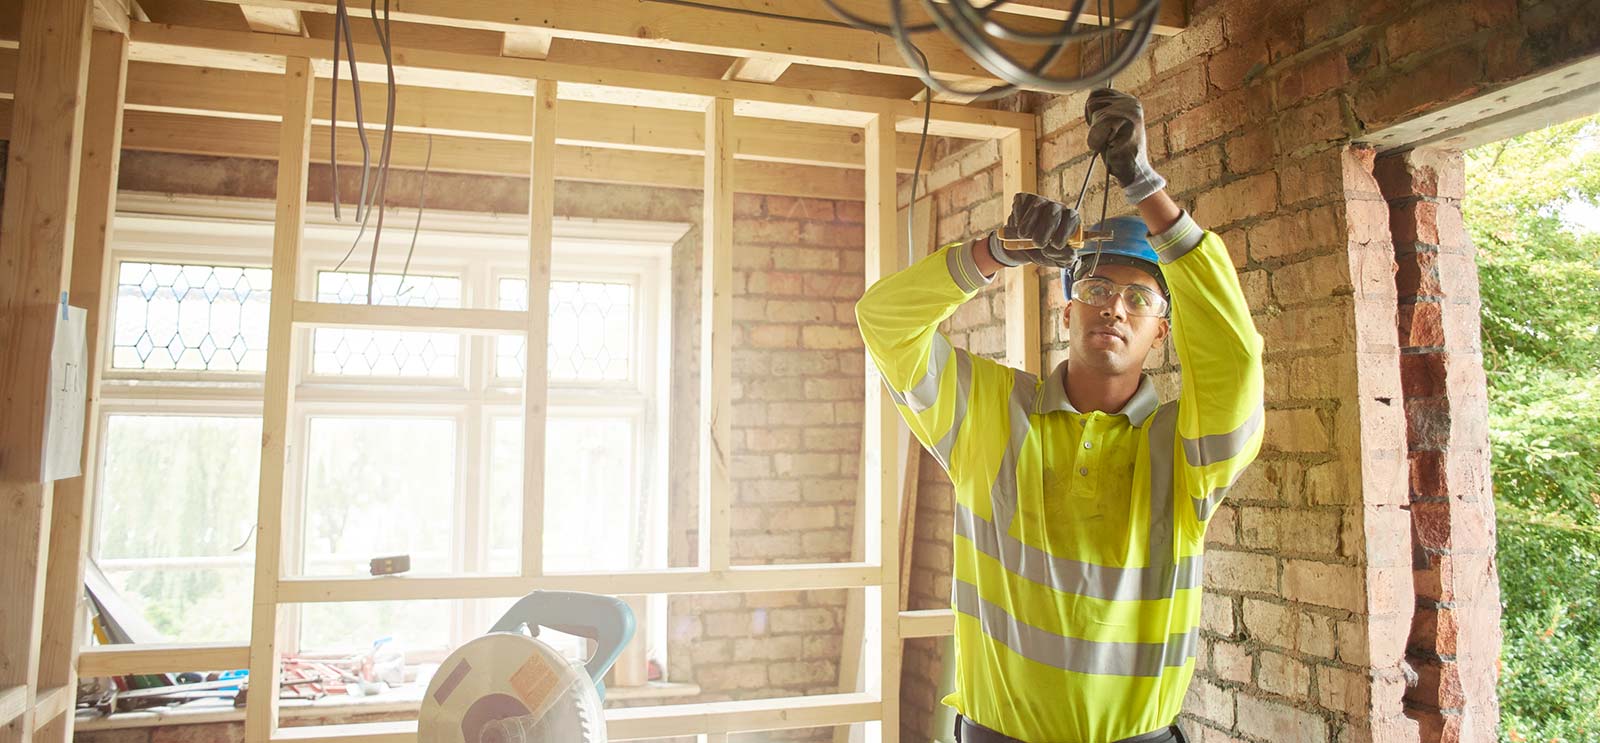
x=37, y=240
x=877, y=124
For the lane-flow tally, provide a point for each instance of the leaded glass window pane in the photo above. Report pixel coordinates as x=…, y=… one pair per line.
x=182, y=317
x=592, y=329
x=386, y=353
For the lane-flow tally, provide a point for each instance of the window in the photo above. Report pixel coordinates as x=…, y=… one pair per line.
x=401, y=442
x=378, y=486
x=176, y=513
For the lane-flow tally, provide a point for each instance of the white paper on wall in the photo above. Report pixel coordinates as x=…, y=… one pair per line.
x=69, y=377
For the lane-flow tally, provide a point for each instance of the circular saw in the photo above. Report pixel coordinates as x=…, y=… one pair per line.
x=509, y=686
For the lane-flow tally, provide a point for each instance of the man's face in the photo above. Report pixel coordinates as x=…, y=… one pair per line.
x=1109, y=339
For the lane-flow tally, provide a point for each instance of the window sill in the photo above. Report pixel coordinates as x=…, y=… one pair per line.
x=401, y=703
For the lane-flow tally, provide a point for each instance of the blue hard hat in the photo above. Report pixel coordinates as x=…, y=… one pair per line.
x=1129, y=245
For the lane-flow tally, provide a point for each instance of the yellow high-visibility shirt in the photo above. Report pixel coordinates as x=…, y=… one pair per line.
x=1078, y=536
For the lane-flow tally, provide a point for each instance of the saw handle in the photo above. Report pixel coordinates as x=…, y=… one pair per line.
x=605, y=619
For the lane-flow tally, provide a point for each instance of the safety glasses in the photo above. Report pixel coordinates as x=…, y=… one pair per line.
x=1100, y=292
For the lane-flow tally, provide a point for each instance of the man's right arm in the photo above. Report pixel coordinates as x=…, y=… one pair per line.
x=931, y=381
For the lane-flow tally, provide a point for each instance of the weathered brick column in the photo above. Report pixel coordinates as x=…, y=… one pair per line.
x=1455, y=636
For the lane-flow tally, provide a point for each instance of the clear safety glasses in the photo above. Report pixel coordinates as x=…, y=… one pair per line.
x=1100, y=292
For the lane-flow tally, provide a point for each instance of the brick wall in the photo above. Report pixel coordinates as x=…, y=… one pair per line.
x=1457, y=621
x=798, y=369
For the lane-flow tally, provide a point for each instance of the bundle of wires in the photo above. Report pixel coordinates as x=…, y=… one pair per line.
x=372, y=190
x=977, y=30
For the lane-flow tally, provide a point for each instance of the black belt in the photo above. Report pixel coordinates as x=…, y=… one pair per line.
x=968, y=731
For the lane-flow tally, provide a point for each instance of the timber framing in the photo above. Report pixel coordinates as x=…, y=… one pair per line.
x=510, y=111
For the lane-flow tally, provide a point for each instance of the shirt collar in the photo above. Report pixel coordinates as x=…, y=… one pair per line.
x=1053, y=398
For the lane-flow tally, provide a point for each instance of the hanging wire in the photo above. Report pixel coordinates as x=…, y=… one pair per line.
x=341, y=28
x=978, y=29
x=374, y=190
x=382, y=30
x=916, y=170
x=422, y=203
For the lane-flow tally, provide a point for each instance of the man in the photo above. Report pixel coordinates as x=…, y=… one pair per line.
x=1081, y=499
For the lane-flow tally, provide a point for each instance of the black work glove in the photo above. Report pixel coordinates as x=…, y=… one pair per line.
x=1116, y=131
x=1048, y=223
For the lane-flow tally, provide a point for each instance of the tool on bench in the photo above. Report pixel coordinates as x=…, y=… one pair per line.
x=510, y=687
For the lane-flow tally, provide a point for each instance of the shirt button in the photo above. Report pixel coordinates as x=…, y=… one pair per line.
x=1088, y=445
x=1083, y=471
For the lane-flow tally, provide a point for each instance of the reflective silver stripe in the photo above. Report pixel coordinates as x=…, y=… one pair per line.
x=1204, y=506
x=1070, y=653
x=925, y=392
x=1178, y=240
x=1220, y=447
x=963, y=270
x=1074, y=576
x=1003, y=495
x=1163, y=429
x=941, y=450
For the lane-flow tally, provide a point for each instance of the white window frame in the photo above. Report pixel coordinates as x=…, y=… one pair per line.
x=483, y=249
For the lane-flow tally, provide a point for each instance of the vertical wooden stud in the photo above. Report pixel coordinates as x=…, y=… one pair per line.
x=716, y=339
x=294, y=140
x=36, y=241
x=71, y=514
x=1019, y=173
x=536, y=375
x=883, y=523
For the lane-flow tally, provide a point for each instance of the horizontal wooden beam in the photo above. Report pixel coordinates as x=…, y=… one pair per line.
x=399, y=731
x=165, y=132
x=52, y=703
x=239, y=94
x=120, y=660
x=750, y=715
x=927, y=623
x=428, y=68
x=717, y=718
x=430, y=319
x=736, y=579
x=13, y=702
x=680, y=27
x=1171, y=18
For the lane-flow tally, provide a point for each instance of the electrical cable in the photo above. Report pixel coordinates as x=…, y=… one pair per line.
x=382, y=188
x=916, y=171
x=341, y=27
x=976, y=30
x=422, y=203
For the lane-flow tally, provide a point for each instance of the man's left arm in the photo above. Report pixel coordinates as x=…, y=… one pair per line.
x=1220, y=406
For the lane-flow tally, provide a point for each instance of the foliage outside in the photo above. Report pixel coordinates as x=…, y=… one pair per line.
x=1539, y=272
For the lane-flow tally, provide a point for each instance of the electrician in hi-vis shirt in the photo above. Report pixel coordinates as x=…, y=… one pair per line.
x=1081, y=499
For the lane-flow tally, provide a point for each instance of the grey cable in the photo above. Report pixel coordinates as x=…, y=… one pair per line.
x=382, y=188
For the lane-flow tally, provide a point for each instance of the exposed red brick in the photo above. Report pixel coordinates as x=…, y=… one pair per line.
x=1247, y=197
x=1313, y=77
x=1435, y=26
x=1441, y=79
x=1421, y=326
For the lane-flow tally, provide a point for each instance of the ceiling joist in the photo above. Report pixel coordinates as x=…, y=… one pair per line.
x=252, y=95
x=265, y=52
x=686, y=28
